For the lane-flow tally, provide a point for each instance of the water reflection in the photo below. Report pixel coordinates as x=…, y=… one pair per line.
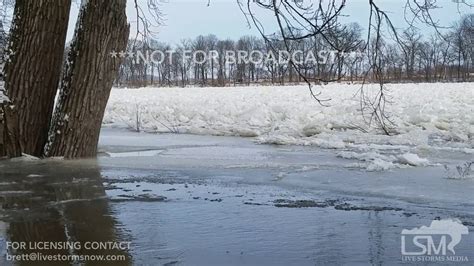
x=376, y=238
x=56, y=201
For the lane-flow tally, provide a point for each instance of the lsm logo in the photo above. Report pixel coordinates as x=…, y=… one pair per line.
x=434, y=243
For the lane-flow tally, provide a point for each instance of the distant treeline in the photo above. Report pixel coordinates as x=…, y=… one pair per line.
x=443, y=57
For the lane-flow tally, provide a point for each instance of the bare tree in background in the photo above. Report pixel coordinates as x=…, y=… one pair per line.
x=410, y=40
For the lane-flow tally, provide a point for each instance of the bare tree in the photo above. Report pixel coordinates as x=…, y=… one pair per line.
x=87, y=79
x=32, y=73
x=411, y=43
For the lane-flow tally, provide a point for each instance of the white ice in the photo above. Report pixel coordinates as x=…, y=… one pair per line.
x=427, y=118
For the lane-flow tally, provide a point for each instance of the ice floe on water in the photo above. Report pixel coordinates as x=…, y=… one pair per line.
x=374, y=161
x=427, y=118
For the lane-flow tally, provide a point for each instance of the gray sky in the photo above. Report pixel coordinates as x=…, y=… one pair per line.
x=190, y=18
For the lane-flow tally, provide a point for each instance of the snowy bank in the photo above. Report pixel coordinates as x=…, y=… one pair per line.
x=427, y=117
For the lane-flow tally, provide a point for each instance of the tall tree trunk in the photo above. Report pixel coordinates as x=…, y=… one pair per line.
x=88, y=76
x=32, y=72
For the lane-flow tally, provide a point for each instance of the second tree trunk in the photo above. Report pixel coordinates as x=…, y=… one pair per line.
x=88, y=76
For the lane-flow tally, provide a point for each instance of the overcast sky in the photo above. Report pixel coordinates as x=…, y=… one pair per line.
x=190, y=18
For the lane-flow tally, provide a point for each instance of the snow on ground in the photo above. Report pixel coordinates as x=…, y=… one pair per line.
x=427, y=117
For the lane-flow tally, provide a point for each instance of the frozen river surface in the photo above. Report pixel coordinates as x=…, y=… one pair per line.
x=207, y=200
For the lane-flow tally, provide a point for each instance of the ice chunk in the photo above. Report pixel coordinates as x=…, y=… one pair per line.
x=412, y=159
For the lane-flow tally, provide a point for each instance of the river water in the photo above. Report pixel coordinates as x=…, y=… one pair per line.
x=202, y=200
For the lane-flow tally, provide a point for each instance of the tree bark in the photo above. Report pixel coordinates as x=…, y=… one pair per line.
x=88, y=77
x=35, y=51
